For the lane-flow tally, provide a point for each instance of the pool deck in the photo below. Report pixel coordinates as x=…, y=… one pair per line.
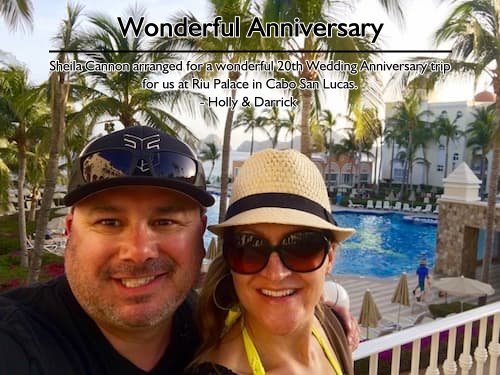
x=383, y=288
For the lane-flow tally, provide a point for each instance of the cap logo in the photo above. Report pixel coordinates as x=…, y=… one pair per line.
x=150, y=142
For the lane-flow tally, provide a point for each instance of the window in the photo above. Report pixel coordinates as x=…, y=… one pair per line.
x=398, y=174
x=455, y=156
x=346, y=178
x=331, y=177
x=363, y=178
x=440, y=168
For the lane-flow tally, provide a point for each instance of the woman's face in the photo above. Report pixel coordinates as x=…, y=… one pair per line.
x=276, y=299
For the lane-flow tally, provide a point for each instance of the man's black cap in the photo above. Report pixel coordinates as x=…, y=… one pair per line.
x=139, y=155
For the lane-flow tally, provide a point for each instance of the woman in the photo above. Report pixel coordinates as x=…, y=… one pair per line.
x=260, y=310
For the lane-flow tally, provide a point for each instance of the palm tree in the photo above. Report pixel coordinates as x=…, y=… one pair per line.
x=35, y=171
x=247, y=118
x=211, y=152
x=59, y=92
x=290, y=125
x=121, y=97
x=7, y=165
x=424, y=135
x=391, y=138
x=275, y=124
x=450, y=130
x=305, y=50
x=353, y=148
x=473, y=28
x=327, y=121
x=369, y=129
x=408, y=119
x=17, y=13
x=480, y=134
x=21, y=120
x=228, y=10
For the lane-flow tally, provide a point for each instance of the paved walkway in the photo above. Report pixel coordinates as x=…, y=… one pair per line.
x=383, y=289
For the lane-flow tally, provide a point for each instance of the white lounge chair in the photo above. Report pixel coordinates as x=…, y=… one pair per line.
x=427, y=209
x=353, y=205
x=51, y=245
x=397, y=206
x=369, y=203
x=417, y=209
x=378, y=205
x=436, y=210
x=387, y=205
x=406, y=207
x=426, y=200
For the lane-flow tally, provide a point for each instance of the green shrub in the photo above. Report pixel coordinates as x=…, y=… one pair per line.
x=440, y=310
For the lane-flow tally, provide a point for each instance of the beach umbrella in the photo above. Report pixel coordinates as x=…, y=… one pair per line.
x=463, y=286
x=212, y=249
x=412, y=198
x=391, y=197
x=369, y=314
x=401, y=294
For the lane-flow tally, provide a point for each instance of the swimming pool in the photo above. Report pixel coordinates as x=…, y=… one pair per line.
x=384, y=244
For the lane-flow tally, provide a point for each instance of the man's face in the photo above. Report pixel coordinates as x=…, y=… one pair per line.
x=133, y=254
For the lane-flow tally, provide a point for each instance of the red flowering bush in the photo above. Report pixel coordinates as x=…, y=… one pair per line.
x=54, y=269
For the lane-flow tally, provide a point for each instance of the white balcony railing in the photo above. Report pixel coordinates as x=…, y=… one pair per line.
x=474, y=325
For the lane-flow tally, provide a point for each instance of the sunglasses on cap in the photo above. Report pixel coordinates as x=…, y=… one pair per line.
x=301, y=251
x=113, y=163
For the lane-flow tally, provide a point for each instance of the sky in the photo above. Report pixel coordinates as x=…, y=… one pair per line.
x=422, y=18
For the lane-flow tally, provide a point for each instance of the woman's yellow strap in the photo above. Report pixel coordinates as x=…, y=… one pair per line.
x=252, y=354
x=328, y=351
x=256, y=364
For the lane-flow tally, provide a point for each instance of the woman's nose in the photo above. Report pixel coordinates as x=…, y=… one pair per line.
x=275, y=269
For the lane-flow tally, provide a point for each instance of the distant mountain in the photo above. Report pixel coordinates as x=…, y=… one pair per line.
x=261, y=145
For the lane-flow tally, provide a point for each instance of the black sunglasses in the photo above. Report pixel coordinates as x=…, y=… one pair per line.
x=302, y=251
x=114, y=163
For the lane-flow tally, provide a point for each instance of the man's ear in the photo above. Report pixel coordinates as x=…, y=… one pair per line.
x=203, y=224
x=68, y=222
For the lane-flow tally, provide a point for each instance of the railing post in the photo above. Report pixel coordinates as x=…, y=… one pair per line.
x=396, y=357
x=373, y=364
x=415, y=357
x=433, y=362
x=480, y=353
x=449, y=365
x=494, y=346
x=465, y=359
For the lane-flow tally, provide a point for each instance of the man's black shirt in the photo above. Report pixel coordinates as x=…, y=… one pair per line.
x=43, y=330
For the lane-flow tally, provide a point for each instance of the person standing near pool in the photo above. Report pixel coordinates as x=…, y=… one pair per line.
x=260, y=309
x=423, y=278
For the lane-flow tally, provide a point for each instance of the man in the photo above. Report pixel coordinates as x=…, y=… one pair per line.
x=423, y=277
x=134, y=251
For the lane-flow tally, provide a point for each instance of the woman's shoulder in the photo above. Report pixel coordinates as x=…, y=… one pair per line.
x=208, y=368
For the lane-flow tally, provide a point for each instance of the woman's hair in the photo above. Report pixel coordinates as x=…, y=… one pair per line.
x=211, y=315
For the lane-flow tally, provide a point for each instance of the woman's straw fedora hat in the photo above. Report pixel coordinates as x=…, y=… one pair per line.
x=280, y=187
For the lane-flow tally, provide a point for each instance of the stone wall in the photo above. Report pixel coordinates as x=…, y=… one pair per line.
x=459, y=224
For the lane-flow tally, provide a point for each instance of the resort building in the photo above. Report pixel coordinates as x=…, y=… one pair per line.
x=429, y=166
x=343, y=170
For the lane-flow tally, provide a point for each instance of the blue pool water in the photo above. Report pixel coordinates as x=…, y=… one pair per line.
x=384, y=244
